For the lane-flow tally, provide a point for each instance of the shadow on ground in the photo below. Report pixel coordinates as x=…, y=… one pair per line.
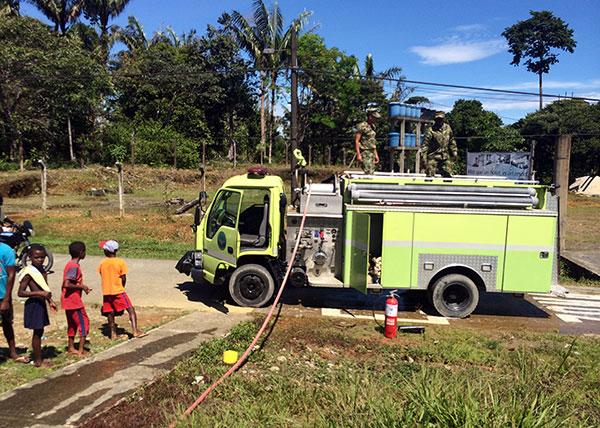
x=213, y=297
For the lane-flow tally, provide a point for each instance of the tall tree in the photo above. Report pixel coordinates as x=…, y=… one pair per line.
x=100, y=12
x=265, y=40
x=40, y=74
x=537, y=39
x=62, y=13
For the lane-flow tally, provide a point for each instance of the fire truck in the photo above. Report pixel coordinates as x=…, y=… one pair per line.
x=453, y=238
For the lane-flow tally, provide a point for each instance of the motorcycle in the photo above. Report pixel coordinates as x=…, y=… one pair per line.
x=17, y=236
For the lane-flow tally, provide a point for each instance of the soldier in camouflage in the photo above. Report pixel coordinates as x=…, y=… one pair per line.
x=365, y=142
x=439, y=150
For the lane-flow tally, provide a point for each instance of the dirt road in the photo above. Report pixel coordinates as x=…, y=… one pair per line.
x=150, y=282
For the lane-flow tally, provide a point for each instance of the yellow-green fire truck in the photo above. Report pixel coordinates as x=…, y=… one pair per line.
x=454, y=238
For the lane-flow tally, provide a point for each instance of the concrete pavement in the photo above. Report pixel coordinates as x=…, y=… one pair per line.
x=68, y=395
x=150, y=282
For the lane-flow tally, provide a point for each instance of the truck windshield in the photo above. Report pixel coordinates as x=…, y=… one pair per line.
x=224, y=212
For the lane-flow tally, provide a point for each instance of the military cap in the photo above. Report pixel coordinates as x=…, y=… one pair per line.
x=374, y=111
x=440, y=114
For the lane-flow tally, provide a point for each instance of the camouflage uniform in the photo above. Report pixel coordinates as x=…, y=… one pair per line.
x=438, y=150
x=368, y=146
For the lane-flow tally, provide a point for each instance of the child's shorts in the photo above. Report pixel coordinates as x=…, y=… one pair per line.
x=36, y=314
x=116, y=304
x=77, y=320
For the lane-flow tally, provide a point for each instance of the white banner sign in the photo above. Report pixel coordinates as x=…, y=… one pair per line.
x=513, y=165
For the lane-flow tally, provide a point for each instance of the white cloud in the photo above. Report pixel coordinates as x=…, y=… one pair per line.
x=456, y=52
x=470, y=28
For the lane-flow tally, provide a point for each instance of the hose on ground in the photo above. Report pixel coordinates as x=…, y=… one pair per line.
x=245, y=355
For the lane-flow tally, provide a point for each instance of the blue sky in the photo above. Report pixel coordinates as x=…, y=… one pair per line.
x=456, y=42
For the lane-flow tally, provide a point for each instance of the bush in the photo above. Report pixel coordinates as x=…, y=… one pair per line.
x=6, y=165
x=155, y=145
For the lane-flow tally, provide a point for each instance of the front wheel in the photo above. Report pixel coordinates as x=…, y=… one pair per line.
x=251, y=285
x=454, y=296
x=48, y=261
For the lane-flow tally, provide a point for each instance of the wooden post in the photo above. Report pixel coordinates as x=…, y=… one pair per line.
x=344, y=156
x=71, y=154
x=132, y=149
x=309, y=154
x=402, y=143
x=119, y=166
x=562, y=159
x=418, y=151
x=328, y=155
x=44, y=180
x=203, y=166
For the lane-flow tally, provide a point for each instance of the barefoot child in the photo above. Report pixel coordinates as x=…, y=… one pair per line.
x=113, y=272
x=34, y=278
x=71, y=302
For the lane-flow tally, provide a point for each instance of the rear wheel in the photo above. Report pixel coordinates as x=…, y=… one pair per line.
x=454, y=296
x=251, y=285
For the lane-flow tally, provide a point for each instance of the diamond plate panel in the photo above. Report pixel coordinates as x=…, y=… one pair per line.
x=442, y=261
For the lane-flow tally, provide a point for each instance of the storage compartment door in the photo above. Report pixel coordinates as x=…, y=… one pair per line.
x=357, y=251
x=530, y=254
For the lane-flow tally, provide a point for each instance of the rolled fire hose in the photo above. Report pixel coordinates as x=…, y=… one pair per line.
x=245, y=355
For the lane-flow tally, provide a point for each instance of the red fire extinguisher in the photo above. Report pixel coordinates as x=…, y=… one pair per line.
x=391, y=316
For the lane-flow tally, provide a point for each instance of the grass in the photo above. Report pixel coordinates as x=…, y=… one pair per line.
x=149, y=229
x=323, y=372
x=54, y=344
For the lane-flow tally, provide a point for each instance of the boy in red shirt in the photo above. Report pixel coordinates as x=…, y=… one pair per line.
x=71, y=302
x=113, y=272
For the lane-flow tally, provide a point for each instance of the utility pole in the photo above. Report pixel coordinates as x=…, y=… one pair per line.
x=562, y=158
x=294, y=109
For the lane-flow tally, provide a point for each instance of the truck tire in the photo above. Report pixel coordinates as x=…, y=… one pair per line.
x=454, y=296
x=251, y=285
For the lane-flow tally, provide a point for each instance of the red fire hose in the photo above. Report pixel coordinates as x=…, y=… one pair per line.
x=245, y=355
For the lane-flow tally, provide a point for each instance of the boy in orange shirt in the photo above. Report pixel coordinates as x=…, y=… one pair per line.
x=113, y=272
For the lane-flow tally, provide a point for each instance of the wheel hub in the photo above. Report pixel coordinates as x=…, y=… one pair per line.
x=456, y=297
x=251, y=287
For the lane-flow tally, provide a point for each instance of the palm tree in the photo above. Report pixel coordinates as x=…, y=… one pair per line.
x=266, y=42
x=400, y=91
x=62, y=13
x=100, y=12
x=132, y=36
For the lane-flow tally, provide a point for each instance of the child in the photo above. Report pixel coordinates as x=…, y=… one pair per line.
x=71, y=302
x=34, y=278
x=7, y=280
x=113, y=272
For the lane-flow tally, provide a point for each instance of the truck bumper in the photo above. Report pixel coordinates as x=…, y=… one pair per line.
x=190, y=262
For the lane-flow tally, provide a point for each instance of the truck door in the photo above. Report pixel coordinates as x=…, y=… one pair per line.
x=356, y=257
x=221, y=237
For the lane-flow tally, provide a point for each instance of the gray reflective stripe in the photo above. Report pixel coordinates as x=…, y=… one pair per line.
x=357, y=244
x=467, y=246
x=225, y=257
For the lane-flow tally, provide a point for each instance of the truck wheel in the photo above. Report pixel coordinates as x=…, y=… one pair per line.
x=251, y=285
x=454, y=296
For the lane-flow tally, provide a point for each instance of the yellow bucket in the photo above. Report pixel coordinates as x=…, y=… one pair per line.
x=230, y=357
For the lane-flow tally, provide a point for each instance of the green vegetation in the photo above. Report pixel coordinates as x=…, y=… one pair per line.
x=318, y=372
